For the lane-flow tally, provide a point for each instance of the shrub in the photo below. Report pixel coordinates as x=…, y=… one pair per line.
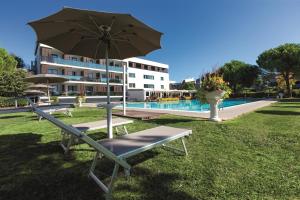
x=10, y=102
x=54, y=99
x=82, y=98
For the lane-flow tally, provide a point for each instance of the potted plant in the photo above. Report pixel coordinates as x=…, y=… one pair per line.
x=80, y=99
x=212, y=90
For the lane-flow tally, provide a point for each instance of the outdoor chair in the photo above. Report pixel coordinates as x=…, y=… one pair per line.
x=65, y=111
x=121, y=148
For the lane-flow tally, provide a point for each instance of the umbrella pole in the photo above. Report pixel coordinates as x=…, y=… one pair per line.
x=108, y=108
x=48, y=92
x=124, y=90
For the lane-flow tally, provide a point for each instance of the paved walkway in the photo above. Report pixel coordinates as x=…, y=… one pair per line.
x=142, y=115
x=225, y=114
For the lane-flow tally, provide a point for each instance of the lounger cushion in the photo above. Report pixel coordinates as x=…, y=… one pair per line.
x=118, y=121
x=138, y=142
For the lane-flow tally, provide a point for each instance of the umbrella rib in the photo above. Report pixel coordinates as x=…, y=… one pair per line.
x=97, y=48
x=87, y=29
x=112, y=21
x=116, y=47
x=95, y=23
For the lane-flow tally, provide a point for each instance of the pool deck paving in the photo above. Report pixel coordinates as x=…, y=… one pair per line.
x=224, y=113
x=142, y=115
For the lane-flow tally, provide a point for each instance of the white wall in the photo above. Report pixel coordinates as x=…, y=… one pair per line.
x=139, y=75
x=140, y=81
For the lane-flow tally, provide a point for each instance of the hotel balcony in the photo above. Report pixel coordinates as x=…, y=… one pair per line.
x=77, y=63
x=87, y=79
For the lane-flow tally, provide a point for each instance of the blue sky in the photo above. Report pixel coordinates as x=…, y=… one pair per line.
x=198, y=34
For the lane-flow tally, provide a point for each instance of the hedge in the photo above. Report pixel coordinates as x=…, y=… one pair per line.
x=10, y=102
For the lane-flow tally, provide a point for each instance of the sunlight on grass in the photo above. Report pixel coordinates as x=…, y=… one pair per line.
x=255, y=156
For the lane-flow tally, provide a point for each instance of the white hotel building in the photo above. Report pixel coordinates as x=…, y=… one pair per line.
x=86, y=76
x=146, y=78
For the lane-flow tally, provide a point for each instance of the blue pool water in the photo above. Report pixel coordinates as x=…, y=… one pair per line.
x=185, y=105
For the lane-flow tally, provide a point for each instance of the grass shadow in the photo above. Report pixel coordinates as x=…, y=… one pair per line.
x=165, y=121
x=277, y=112
x=33, y=170
x=160, y=184
x=11, y=116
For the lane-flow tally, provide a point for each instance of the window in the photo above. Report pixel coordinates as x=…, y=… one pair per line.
x=138, y=65
x=97, y=75
x=62, y=72
x=52, y=71
x=90, y=75
x=161, y=78
x=74, y=58
x=132, y=75
x=102, y=75
x=73, y=73
x=54, y=55
x=81, y=73
x=152, y=68
x=151, y=77
x=72, y=88
x=130, y=64
x=132, y=85
x=148, y=86
x=89, y=90
x=162, y=87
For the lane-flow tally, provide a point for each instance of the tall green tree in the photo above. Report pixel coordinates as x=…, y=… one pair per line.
x=12, y=83
x=284, y=59
x=11, y=78
x=188, y=86
x=7, y=62
x=238, y=73
x=20, y=61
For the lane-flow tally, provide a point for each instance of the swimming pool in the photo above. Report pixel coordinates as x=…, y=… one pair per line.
x=185, y=105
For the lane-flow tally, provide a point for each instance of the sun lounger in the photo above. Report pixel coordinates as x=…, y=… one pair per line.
x=69, y=139
x=121, y=148
x=65, y=111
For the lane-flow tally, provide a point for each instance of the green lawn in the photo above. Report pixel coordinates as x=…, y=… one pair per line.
x=256, y=156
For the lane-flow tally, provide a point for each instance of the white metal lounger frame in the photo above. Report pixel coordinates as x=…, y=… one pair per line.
x=119, y=161
x=101, y=151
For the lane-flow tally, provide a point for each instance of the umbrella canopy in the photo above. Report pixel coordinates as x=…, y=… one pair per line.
x=34, y=92
x=90, y=33
x=46, y=78
x=40, y=87
x=97, y=35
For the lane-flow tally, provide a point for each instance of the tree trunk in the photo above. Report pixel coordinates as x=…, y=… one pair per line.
x=287, y=82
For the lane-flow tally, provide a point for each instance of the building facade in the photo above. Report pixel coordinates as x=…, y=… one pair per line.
x=87, y=76
x=146, y=78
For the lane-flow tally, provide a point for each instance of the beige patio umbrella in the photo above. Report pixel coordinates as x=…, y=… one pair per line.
x=97, y=35
x=46, y=78
x=34, y=92
x=40, y=86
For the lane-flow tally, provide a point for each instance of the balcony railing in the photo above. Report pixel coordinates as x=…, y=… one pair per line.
x=79, y=63
x=75, y=93
x=101, y=80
